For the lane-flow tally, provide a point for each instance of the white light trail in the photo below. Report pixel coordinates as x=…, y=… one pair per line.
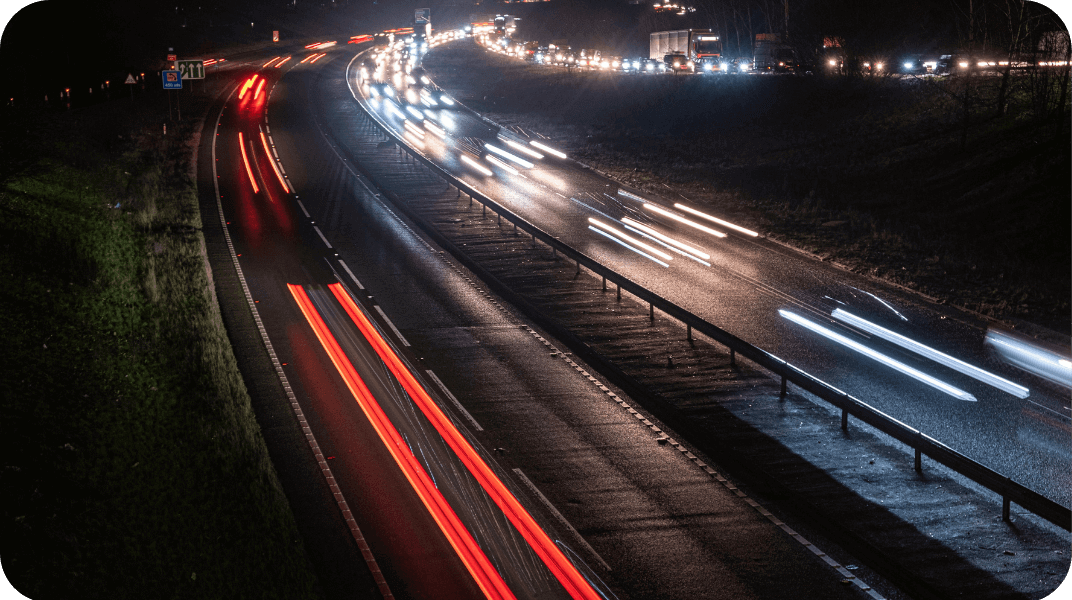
x=413, y=129
x=498, y=163
x=625, y=236
x=882, y=358
x=445, y=99
x=472, y=163
x=622, y=192
x=547, y=149
x=616, y=240
x=715, y=220
x=681, y=219
x=1041, y=362
x=509, y=157
x=413, y=139
x=665, y=238
x=437, y=131
x=956, y=364
x=522, y=149
x=413, y=110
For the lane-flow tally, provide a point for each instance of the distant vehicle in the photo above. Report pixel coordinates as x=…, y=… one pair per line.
x=913, y=65
x=712, y=65
x=651, y=65
x=589, y=58
x=678, y=63
x=694, y=44
x=774, y=56
x=633, y=64
x=739, y=65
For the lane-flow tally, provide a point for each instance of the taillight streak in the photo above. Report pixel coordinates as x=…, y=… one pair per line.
x=280, y=63
x=560, y=566
x=260, y=86
x=275, y=167
x=245, y=161
x=474, y=559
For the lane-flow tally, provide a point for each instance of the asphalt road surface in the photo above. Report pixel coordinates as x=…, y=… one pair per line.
x=637, y=518
x=747, y=285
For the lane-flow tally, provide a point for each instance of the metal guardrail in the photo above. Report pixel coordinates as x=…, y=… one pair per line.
x=923, y=445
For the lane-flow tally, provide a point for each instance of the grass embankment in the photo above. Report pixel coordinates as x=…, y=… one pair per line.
x=869, y=172
x=133, y=464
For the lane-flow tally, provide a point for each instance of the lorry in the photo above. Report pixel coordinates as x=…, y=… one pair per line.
x=771, y=54
x=686, y=47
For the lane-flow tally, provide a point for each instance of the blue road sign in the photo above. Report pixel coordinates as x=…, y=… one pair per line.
x=172, y=80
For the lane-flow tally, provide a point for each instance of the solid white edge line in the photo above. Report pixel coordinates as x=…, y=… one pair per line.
x=302, y=206
x=453, y=399
x=391, y=325
x=539, y=495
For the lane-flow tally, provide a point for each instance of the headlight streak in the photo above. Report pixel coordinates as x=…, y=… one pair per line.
x=878, y=356
x=466, y=547
x=693, y=211
x=245, y=161
x=1044, y=363
x=472, y=163
x=271, y=160
x=413, y=110
x=629, y=238
x=523, y=150
x=413, y=129
x=622, y=192
x=245, y=86
x=642, y=228
x=620, y=242
x=445, y=99
x=547, y=149
x=435, y=130
x=413, y=139
x=508, y=156
x=882, y=302
x=502, y=165
x=680, y=219
x=567, y=574
x=944, y=359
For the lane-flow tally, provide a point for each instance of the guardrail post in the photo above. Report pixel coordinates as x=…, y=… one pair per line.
x=733, y=358
x=534, y=240
x=515, y=228
x=459, y=192
x=688, y=332
x=619, y=292
x=919, y=452
x=651, y=310
x=470, y=201
x=578, y=273
x=554, y=253
x=484, y=214
x=783, y=388
x=1005, y=507
x=844, y=419
x=500, y=219
x=604, y=283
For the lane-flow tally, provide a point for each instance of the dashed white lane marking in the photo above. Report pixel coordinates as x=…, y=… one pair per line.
x=326, y=242
x=351, y=274
x=663, y=438
x=554, y=511
x=302, y=206
x=325, y=470
x=461, y=408
x=383, y=315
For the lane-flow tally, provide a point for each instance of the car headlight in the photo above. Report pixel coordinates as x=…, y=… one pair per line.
x=908, y=65
x=723, y=66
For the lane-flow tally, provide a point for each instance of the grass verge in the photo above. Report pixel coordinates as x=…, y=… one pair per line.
x=133, y=463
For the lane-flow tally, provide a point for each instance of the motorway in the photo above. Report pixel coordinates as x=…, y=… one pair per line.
x=322, y=253
x=762, y=292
